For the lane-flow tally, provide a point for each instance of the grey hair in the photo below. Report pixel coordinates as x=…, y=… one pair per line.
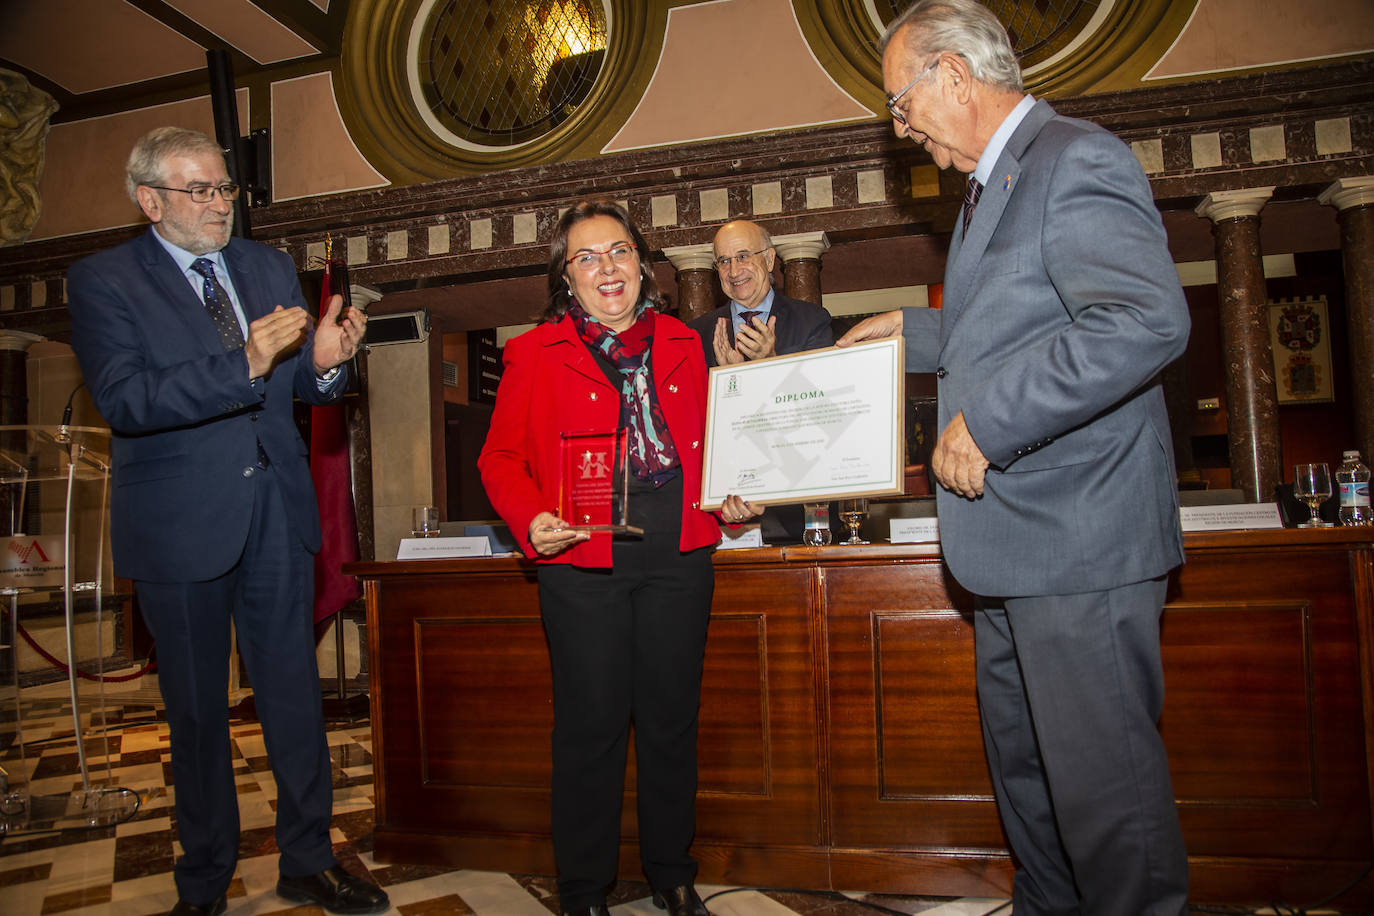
x=156, y=147
x=963, y=27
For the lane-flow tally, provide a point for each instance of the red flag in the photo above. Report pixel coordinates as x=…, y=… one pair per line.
x=332, y=471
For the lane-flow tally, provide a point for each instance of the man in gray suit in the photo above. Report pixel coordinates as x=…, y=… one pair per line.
x=1057, y=499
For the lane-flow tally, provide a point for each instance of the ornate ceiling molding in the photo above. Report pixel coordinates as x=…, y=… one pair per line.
x=380, y=108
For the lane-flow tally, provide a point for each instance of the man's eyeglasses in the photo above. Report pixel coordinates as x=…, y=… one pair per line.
x=892, y=100
x=590, y=258
x=739, y=258
x=203, y=194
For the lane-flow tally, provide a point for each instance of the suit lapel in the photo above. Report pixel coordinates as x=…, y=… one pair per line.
x=966, y=254
x=669, y=351
x=252, y=297
x=575, y=355
x=184, y=303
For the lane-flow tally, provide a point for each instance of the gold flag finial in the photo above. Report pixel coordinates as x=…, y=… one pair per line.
x=328, y=247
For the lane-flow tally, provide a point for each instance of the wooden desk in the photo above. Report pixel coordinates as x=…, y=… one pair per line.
x=840, y=746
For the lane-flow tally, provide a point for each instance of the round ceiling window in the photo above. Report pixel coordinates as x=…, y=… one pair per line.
x=501, y=73
x=1038, y=29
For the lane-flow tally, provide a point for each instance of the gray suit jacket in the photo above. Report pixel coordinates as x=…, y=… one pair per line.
x=1060, y=308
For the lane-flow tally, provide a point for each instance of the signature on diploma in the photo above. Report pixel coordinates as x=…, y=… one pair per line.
x=746, y=478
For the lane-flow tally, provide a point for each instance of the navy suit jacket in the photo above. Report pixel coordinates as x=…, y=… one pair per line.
x=185, y=419
x=1061, y=307
x=800, y=326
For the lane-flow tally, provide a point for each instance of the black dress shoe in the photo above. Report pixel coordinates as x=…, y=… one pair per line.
x=336, y=891
x=596, y=910
x=680, y=901
x=214, y=908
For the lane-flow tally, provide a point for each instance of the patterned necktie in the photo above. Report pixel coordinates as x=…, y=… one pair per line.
x=971, y=195
x=746, y=317
x=217, y=304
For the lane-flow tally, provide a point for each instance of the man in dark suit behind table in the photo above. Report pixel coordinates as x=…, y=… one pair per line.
x=192, y=344
x=757, y=322
x=1057, y=500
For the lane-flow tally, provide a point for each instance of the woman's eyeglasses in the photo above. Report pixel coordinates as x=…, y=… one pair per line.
x=590, y=258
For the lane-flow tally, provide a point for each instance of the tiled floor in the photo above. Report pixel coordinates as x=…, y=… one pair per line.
x=53, y=863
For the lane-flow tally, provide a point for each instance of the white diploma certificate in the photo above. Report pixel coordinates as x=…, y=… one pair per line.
x=819, y=425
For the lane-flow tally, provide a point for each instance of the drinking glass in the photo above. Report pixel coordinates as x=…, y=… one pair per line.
x=853, y=512
x=1312, y=485
x=424, y=522
x=817, y=533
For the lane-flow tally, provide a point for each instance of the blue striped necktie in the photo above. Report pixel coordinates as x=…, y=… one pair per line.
x=217, y=304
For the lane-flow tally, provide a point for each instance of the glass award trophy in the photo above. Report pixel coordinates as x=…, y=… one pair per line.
x=593, y=482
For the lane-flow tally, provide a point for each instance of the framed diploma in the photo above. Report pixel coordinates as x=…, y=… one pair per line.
x=593, y=482
x=819, y=425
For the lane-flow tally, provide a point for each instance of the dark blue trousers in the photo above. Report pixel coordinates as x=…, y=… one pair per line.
x=268, y=595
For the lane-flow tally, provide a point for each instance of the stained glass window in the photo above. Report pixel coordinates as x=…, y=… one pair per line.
x=500, y=73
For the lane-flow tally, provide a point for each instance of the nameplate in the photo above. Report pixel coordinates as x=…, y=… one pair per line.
x=740, y=536
x=437, y=548
x=914, y=530
x=1231, y=517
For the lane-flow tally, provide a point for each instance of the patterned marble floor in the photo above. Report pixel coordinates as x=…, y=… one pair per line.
x=53, y=862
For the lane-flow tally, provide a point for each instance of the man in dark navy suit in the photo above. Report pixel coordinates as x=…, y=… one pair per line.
x=757, y=322
x=192, y=344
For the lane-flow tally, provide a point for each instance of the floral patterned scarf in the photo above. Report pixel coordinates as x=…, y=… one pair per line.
x=652, y=453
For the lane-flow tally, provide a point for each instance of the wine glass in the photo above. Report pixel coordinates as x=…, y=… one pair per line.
x=1312, y=484
x=853, y=512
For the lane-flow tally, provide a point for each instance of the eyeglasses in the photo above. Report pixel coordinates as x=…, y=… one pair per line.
x=739, y=258
x=203, y=194
x=892, y=100
x=590, y=258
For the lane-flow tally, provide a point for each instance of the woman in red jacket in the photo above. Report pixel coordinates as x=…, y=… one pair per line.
x=625, y=616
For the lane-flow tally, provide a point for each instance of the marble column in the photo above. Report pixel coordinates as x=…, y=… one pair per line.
x=1354, y=199
x=1252, y=416
x=801, y=264
x=360, y=437
x=696, y=279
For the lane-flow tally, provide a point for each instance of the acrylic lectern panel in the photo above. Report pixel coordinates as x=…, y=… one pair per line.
x=57, y=633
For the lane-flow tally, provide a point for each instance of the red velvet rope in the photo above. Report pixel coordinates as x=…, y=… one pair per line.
x=57, y=663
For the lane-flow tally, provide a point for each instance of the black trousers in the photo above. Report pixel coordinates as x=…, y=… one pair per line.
x=268, y=596
x=626, y=644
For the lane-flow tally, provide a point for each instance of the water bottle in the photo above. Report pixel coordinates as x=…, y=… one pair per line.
x=1353, y=478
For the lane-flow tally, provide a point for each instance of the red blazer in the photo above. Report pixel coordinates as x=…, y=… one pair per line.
x=552, y=384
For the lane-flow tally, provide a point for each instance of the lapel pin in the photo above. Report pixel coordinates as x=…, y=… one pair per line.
x=1006, y=183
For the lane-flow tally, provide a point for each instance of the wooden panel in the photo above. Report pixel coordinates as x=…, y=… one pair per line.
x=465, y=704
x=759, y=776
x=1262, y=713
x=471, y=707
x=906, y=752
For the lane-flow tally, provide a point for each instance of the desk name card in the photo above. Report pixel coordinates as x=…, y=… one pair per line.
x=914, y=530
x=437, y=548
x=1230, y=517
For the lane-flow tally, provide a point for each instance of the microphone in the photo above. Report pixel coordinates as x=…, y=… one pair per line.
x=64, y=433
